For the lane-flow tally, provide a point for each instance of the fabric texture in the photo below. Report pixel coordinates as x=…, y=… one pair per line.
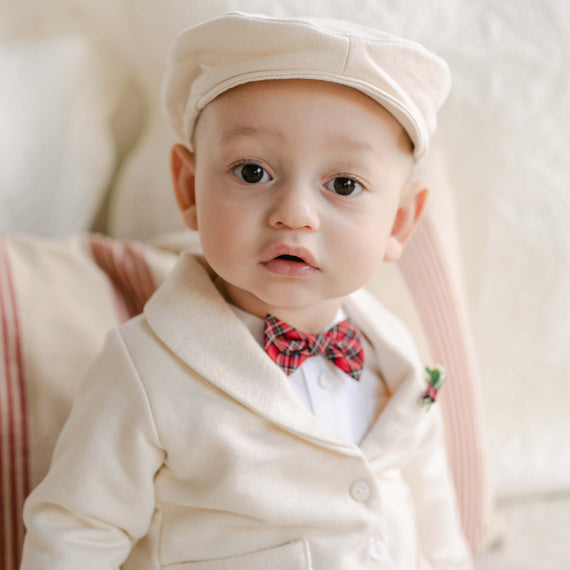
x=144, y=401
x=210, y=58
x=289, y=347
x=529, y=522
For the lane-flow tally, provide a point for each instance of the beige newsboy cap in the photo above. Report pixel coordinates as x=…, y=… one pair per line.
x=210, y=58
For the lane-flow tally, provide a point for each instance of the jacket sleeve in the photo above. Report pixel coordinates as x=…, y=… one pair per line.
x=443, y=545
x=98, y=496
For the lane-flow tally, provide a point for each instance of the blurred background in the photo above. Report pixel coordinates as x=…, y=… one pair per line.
x=83, y=146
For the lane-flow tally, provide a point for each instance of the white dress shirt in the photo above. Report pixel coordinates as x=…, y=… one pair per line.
x=343, y=405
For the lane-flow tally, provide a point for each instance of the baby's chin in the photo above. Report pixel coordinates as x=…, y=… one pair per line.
x=286, y=304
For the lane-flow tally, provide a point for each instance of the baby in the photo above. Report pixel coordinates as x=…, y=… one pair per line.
x=265, y=412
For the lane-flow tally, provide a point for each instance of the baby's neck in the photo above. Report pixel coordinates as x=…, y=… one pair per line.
x=303, y=320
x=312, y=318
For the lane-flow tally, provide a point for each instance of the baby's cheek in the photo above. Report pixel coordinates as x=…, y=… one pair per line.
x=366, y=259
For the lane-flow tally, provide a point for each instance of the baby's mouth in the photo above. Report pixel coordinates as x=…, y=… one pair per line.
x=291, y=258
x=289, y=261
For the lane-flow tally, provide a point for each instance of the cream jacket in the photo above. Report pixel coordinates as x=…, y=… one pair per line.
x=187, y=449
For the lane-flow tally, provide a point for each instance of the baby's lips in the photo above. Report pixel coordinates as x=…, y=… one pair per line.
x=275, y=251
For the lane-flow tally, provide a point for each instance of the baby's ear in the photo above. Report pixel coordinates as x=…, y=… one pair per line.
x=412, y=206
x=183, y=168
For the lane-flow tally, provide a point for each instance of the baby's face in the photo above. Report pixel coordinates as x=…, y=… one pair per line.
x=296, y=185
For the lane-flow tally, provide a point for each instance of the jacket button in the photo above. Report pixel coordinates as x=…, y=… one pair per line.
x=360, y=491
x=377, y=550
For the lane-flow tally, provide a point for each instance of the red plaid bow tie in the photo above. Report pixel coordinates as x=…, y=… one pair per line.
x=289, y=348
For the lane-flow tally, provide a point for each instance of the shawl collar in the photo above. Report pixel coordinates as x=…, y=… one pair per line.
x=190, y=316
x=401, y=368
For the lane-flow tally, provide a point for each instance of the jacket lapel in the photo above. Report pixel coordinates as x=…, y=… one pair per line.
x=191, y=317
x=400, y=367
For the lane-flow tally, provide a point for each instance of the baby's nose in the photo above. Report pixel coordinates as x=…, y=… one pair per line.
x=295, y=208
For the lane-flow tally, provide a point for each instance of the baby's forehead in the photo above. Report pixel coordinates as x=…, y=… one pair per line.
x=341, y=115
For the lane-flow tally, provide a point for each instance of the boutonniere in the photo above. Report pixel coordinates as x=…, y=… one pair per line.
x=435, y=378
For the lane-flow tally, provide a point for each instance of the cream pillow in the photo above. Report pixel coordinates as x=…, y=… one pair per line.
x=59, y=103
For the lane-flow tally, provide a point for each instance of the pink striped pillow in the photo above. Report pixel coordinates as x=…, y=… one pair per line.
x=15, y=481
x=438, y=303
x=57, y=301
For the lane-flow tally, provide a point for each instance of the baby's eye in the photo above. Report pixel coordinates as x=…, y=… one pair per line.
x=344, y=186
x=251, y=173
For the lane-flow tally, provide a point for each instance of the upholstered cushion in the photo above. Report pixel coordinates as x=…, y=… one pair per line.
x=57, y=301
x=62, y=103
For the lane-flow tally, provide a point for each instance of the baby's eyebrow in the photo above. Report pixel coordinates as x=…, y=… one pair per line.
x=248, y=131
x=347, y=144
x=353, y=144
